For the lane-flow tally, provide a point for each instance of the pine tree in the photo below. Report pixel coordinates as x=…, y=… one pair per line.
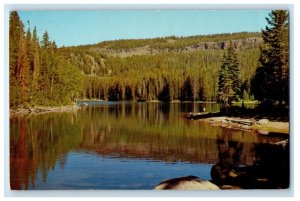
x=36, y=78
x=45, y=66
x=270, y=82
x=229, y=82
x=30, y=61
x=15, y=29
x=23, y=68
x=52, y=65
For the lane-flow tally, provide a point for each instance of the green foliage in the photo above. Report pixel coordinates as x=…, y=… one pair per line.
x=39, y=75
x=15, y=30
x=229, y=78
x=165, y=76
x=270, y=82
x=176, y=68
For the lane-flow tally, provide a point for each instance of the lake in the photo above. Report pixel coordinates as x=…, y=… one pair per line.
x=122, y=145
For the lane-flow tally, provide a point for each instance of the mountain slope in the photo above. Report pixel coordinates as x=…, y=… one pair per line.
x=170, y=68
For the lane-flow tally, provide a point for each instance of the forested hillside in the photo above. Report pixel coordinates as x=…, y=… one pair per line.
x=171, y=68
x=166, y=69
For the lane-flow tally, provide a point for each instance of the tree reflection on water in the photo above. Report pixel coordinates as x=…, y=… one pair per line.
x=40, y=143
x=269, y=168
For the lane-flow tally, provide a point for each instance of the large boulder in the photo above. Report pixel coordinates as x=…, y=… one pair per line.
x=263, y=121
x=186, y=183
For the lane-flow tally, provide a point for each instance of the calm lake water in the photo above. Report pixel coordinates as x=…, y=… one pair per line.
x=122, y=145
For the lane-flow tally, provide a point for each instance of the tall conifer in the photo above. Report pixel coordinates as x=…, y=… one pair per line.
x=270, y=82
x=229, y=81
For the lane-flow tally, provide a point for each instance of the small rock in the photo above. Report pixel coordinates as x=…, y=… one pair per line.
x=263, y=121
x=229, y=187
x=245, y=127
x=224, y=121
x=263, y=132
x=262, y=179
x=283, y=143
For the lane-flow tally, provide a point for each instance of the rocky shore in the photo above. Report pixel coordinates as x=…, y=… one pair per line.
x=42, y=109
x=262, y=126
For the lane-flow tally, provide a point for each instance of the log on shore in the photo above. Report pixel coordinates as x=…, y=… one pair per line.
x=247, y=122
x=262, y=126
x=202, y=115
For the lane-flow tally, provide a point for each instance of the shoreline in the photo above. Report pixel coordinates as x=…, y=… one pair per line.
x=42, y=109
x=261, y=126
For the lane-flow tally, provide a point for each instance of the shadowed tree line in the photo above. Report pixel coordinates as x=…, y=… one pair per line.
x=165, y=76
x=271, y=80
x=270, y=83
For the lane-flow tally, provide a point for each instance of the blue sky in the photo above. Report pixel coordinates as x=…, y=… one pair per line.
x=88, y=27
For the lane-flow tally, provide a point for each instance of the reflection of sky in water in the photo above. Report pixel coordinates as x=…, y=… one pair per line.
x=121, y=146
x=97, y=172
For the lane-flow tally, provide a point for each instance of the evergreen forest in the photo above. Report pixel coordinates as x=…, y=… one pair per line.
x=194, y=68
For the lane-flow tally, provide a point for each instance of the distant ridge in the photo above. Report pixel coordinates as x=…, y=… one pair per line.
x=129, y=47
